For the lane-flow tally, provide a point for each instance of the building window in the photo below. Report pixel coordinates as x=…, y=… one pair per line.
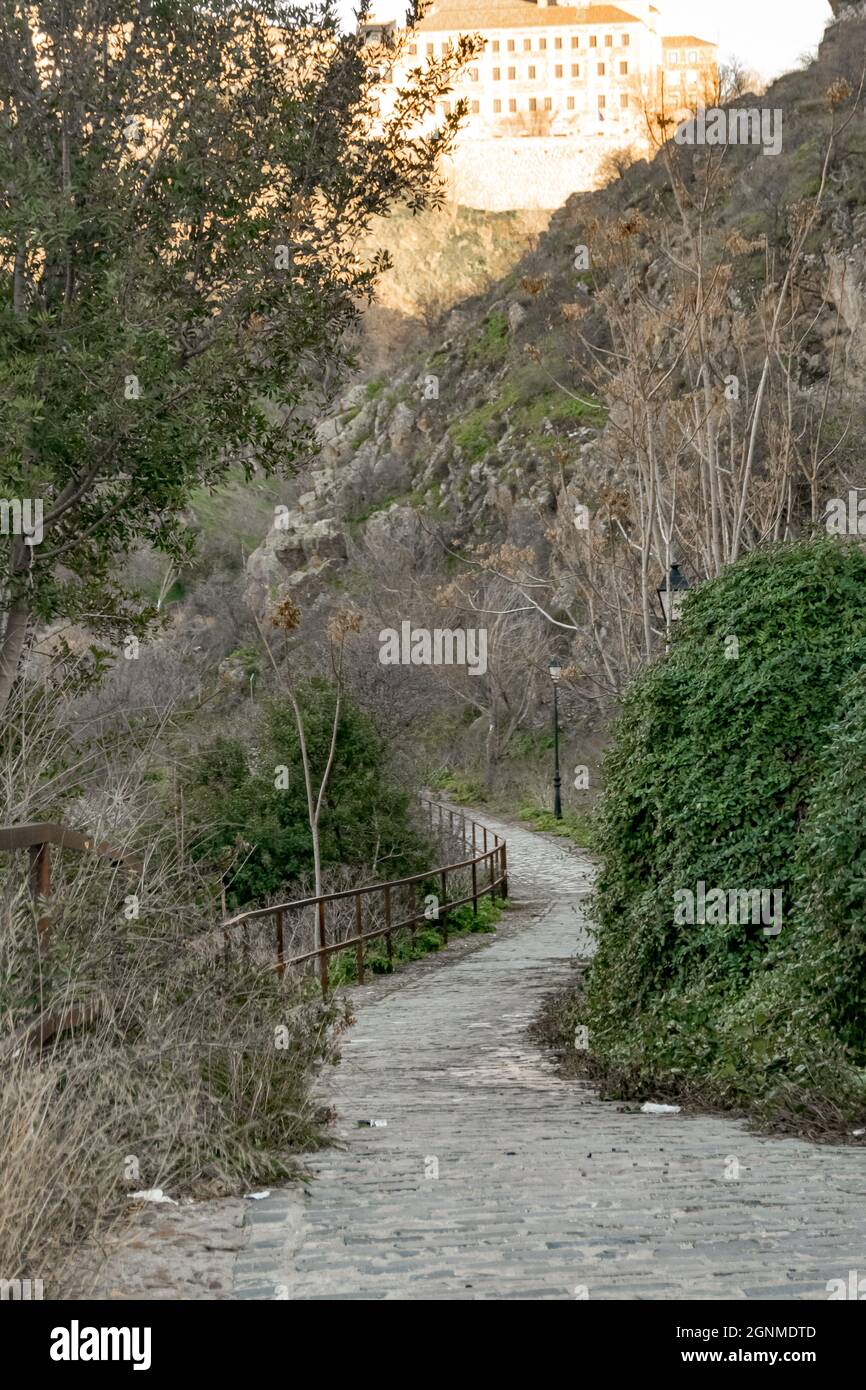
x=495, y=45
x=673, y=59
x=512, y=103
x=601, y=69
x=533, y=104
x=497, y=107
x=413, y=49
x=625, y=40
x=623, y=101
x=593, y=41
x=575, y=41
x=623, y=68
x=512, y=73
x=473, y=73
x=548, y=103
x=602, y=103
x=497, y=73
x=559, y=69
x=608, y=40
x=445, y=108
x=429, y=50
x=693, y=56
x=571, y=103
x=476, y=107
x=542, y=43
x=531, y=72
x=557, y=43
x=575, y=69
x=527, y=45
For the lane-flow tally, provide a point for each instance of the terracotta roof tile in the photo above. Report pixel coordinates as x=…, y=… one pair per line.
x=679, y=40
x=517, y=14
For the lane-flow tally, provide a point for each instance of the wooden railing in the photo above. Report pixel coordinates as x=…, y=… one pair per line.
x=485, y=871
x=487, y=868
x=38, y=839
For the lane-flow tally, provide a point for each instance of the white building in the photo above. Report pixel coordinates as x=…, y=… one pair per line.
x=587, y=77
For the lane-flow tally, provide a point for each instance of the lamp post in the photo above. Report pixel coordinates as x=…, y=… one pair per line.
x=555, y=670
x=671, y=592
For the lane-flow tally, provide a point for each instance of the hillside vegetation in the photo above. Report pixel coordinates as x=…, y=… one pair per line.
x=732, y=767
x=553, y=444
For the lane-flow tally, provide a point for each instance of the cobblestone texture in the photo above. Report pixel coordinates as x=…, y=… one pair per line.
x=166, y=1253
x=495, y=1178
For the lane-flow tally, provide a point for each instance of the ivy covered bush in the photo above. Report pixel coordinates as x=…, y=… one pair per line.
x=735, y=765
x=795, y=1043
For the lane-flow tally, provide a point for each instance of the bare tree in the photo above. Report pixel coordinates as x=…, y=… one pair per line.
x=286, y=618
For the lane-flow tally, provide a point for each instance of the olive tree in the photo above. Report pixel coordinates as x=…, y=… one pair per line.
x=185, y=192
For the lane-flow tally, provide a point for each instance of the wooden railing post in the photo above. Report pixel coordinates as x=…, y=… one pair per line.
x=281, y=964
x=40, y=888
x=443, y=906
x=388, y=944
x=504, y=870
x=475, y=888
x=359, y=946
x=323, y=959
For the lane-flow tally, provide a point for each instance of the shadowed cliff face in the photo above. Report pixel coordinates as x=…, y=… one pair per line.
x=439, y=259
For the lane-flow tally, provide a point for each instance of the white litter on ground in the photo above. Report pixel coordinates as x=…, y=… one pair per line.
x=151, y=1194
x=257, y=1196
x=649, y=1108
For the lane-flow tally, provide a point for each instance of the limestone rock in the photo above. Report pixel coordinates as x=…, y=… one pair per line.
x=516, y=315
x=401, y=426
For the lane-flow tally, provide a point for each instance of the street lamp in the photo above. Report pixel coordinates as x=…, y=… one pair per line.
x=555, y=670
x=671, y=592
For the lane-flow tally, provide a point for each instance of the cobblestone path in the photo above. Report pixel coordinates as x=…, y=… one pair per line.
x=493, y=1178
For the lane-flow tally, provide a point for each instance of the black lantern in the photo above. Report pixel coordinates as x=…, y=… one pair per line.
x=671, y=593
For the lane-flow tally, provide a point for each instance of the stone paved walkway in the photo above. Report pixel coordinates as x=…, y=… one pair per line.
x=495, y=1179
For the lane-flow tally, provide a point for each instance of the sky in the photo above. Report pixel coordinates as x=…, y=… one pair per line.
x=767, y=35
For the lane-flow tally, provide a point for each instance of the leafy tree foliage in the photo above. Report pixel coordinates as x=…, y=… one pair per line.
x=183, y=192
x=246, y=815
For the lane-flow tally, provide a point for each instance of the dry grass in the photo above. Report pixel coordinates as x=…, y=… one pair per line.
x=195, y=1075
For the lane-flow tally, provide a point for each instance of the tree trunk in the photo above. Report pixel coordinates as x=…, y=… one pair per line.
x=12, y=648
x=491, y=755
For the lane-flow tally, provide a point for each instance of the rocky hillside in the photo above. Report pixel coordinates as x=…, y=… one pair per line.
x=475, y=425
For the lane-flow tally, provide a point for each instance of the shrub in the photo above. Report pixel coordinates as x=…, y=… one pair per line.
x=243, y=818
x=713, y=769
x=797, y=1041
x=491, y=346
